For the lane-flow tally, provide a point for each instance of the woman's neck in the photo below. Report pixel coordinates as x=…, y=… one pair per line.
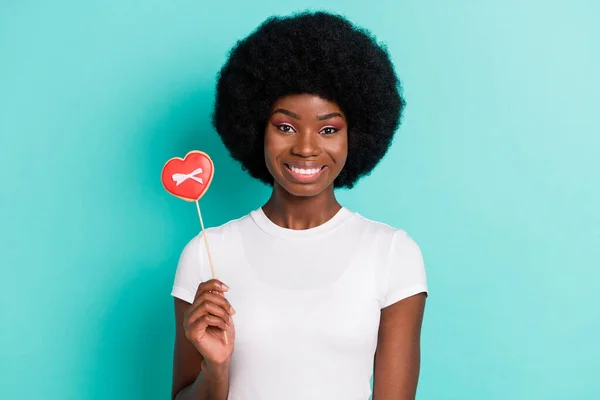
x=296, y=212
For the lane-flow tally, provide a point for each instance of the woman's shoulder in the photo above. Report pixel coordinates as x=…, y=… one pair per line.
x=225, y=232
x=193, y=266
x=385, y=238
x=403, y=270
x=377, y=227
x=230, y=226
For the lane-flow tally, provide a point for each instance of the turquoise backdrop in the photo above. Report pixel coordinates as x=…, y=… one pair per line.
x=494, y=172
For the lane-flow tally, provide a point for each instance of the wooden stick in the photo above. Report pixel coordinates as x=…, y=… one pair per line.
x=212, y=268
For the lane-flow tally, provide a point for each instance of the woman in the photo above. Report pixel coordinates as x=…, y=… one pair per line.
x=324, y=298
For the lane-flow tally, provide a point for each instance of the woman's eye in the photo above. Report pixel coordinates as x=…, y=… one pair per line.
x=329, y=130
x=285, y=128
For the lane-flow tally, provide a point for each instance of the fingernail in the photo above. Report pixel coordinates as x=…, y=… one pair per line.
x=231, y=311
x=224, y=286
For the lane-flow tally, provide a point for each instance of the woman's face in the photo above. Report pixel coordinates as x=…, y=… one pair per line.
x=306, y=143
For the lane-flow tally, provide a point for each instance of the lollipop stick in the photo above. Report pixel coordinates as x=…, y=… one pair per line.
x=212, y=268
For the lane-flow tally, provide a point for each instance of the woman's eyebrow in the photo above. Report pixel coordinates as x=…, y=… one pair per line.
x=328, y=116
x=287, y=112
x=297, y=116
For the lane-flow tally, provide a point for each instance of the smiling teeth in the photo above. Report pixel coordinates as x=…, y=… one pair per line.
x=310, y=171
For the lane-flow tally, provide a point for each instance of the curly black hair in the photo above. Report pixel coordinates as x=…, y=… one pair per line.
x=318, y=53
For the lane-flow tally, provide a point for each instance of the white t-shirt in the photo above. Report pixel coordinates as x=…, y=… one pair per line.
x=307, y=302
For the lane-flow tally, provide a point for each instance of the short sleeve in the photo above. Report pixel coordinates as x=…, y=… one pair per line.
x=189, y=273
x=406, y=271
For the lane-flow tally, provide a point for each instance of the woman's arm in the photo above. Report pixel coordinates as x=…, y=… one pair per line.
x=199, y=330
x=398, y=355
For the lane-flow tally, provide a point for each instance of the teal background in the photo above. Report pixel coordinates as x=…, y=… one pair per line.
x=494, y=172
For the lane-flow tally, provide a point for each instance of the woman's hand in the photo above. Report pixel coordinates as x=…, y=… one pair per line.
x=206, y=320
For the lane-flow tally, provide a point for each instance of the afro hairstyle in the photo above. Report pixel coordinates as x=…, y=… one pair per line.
x=316, y=53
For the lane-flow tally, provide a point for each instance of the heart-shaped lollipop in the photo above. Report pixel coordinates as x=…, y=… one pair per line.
x=188, y=178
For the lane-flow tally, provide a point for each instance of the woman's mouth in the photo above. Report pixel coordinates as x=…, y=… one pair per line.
x=304, y=174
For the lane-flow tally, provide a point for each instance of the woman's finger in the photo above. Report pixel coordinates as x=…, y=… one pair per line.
x=205, y=321
x=208, y=308
x=215, y=298
x=211, y=285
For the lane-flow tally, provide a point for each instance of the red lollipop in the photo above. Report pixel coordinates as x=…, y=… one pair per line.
x=188, y=178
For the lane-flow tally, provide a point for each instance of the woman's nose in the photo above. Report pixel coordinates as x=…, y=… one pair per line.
x=306, y=144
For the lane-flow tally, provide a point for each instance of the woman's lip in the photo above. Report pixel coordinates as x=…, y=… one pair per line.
x=305, y=165
x=304, y=178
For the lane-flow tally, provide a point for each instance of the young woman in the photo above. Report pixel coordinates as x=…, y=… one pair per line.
x=319, y=299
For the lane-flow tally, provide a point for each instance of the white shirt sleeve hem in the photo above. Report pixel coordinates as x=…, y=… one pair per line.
x=404, y=293
x=183, y=294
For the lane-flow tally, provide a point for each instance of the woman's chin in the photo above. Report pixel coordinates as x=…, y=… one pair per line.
x=303, y=189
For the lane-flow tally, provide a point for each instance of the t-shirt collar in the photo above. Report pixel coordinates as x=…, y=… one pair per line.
x=264, y=223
